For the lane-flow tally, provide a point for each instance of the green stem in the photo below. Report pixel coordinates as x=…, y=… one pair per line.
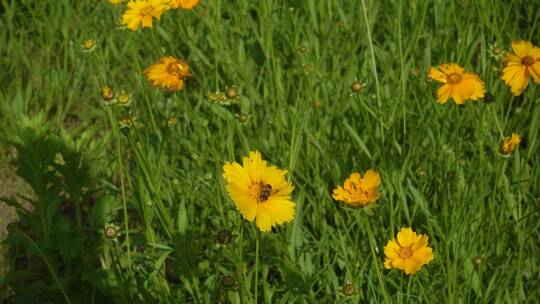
x=375, y=259
x=374, y=67
x=122, y=185
x=257, y=267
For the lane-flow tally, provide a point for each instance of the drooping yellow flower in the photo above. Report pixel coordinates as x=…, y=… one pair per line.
x=260, y=192
x=359, y=191
x=524, y=62
x=408, y=252
x=458, y=84
x=168, y=73
x=510, y=143
x=183, y=4
x=141, y=13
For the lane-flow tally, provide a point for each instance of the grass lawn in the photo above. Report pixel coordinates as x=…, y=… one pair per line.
x=123, y=198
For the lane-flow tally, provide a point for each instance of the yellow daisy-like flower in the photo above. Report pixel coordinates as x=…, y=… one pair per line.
x=359, y=191
x=260, y=192
x=141, y=13
x=524, y=62
x=408, y=252
x=510, y=143
x=183, y=4
x=458, y=84
x=168, y=73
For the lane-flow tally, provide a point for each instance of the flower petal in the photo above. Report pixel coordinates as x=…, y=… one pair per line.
x=444, y=93
x=406, y=237
x=435, y=74
x=521, y=47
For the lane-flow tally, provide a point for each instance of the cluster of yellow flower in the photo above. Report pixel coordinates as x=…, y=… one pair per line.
x=262, y=194
x=461, y=86
x=169, y=72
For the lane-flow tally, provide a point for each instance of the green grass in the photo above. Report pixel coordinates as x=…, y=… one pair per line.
x=293, y=63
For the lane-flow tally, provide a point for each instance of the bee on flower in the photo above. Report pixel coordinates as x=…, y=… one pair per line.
x=140, y=13
x=260, y=192
x=521, y=65
x=509, y=144
x=457, y=84
x=168, y=73
x=408, y=251
x=183, y=4
x=359, y=191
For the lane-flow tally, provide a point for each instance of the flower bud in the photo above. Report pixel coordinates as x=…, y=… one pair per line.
x=231, y=92
x=228, y=281
x=224, y=237
x=107, y=93
x=348, y=289
x=111, y=231
x=357, y=86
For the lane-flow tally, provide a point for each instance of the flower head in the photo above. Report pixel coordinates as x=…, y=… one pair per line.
x=168, y=73
x=115, y=2
x=183, y=4
x=107, y=94
x=141, y=13
x=359, y=191
x=89, y=45
x=408, y=252
x=510, y=143
x=458, y=84
x=260, y=192
x=524, y=62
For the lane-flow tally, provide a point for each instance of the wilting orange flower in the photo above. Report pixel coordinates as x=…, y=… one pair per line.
x=260, y=192
x=359, y=191
x=458, y=84
x=408, y=252
x=168, y=73
x=141, y=12
x=183, y=4
x=510, y=143
x=524, y=62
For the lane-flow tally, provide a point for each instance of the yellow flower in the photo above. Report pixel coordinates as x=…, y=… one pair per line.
x=510, y=143
x=141, y=12
x=260, y=192
x=184, y=4
x=115, y=2
x=524, y=62
x=168, y=73
x=408, y=252
x=359, y=191
x=89, y=45
x=458, y=84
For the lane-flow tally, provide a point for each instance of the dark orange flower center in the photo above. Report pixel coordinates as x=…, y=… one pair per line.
x=453, y=78
x=147, y=11
x=527, y=60
x=405, y=252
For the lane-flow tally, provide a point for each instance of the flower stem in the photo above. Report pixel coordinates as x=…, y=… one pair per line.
x=257, y=267
x=374, y=256
x=375, y=74
x=122, y=185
